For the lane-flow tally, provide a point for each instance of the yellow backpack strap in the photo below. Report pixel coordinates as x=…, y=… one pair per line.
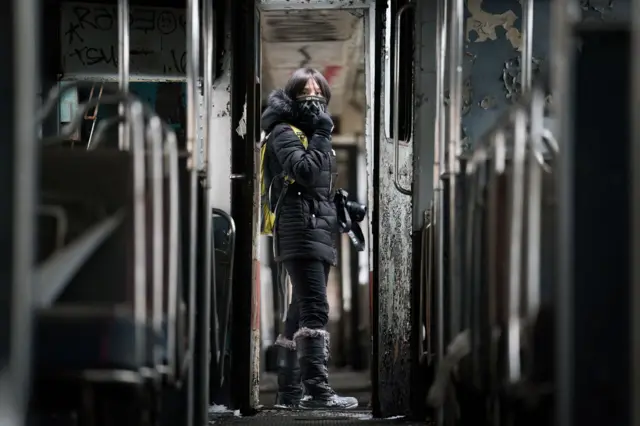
x=303, y=139
x=300, y=134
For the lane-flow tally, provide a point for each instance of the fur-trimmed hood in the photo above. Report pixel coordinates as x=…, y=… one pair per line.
x=279, y=110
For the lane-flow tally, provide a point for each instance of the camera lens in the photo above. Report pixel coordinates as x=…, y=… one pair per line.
x=357, y=211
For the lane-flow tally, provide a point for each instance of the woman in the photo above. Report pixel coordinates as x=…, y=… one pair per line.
x=304, y=233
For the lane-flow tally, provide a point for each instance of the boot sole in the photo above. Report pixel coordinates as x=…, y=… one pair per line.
x=286, y=407
x=333, y=408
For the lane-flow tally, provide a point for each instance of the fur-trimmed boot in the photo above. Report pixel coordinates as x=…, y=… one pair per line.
x=289, y=381
x=313, y=354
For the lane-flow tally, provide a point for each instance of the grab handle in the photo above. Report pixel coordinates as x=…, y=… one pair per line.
x=396, y=100
x=224, y=318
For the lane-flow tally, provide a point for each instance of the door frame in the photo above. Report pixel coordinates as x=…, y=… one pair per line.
x=368, y=7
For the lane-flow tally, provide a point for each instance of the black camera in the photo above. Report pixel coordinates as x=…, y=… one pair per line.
x=350, y=213
x=356, y=211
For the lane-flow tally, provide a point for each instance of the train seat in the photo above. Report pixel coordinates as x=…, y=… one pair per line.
x=73, y=339
x=70, y=203
x=93, y=337
x=98, y=178
x=90, y=330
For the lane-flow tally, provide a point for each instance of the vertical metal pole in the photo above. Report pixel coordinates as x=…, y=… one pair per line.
x=534, y=208
x=155, y=142
x=206, y=324
x=193, y=247
x=124, y=131
x=207, y=78
x=438, y=169
x=193, y=67
x=193, y=235
x=25, y=65
x=174, y=241
x=527, y=45
x=515, y=244
x=534, y=173
x=136, y=119
x=455, y=148
x=561, y=29
x=635, y=214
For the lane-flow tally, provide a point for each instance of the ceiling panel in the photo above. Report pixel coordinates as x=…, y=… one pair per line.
x=329, y=41
x=307, y=26
x=297, y=55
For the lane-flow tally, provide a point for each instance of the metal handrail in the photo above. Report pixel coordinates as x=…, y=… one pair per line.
x=426, y=279
x=52, y=275
x=171, y=152
x=77, y=119
x=227, y=306
x=515, y=245
x=58, y=213
x=396, y=101
x=124, y=42
x=139, y=224
x=438, y=170
x=155, y=141
x=198, y=389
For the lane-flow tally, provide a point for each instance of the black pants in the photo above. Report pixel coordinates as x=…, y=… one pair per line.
x=309, y=305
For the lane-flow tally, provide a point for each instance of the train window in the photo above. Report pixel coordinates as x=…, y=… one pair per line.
x=405, y=80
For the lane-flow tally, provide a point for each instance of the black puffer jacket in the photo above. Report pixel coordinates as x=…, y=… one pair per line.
x=306, y=222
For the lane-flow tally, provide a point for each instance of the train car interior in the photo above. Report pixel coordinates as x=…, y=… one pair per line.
x=490, y=274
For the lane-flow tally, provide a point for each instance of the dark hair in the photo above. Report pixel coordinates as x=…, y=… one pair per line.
x=299, y=79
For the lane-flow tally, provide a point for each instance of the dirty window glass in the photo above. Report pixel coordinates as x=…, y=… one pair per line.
x=405, y=81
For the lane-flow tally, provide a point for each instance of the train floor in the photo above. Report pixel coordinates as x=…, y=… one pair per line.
x=270, y=417
x=350, y=383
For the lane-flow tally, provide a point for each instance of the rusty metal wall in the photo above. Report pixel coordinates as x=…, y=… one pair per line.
x=492, y=55
x=491, y=76
x=424, y=110
x=394, y=267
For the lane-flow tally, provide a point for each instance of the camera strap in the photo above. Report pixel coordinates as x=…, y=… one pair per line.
x=344, y=217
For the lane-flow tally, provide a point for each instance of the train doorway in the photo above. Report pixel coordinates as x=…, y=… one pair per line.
x=337, y=39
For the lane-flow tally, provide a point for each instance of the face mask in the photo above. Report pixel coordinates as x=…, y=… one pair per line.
x=311, y=105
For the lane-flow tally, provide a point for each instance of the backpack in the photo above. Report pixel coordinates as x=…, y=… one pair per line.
x=268, y=219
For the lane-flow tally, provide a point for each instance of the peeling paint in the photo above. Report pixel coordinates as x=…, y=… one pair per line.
x=603, y=7
x=394, y=271
x=220, y=147
x=394, y=274
x=467, y=96
x=512, y=76
x=488, y=102
x=493, y=33
x=465, y=141
x=241, y=130
x=515, y=38
x=484, y=24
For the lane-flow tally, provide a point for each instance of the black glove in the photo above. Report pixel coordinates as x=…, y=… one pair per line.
x=323, y=125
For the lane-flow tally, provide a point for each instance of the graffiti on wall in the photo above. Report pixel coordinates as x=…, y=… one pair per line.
x=89, y=40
